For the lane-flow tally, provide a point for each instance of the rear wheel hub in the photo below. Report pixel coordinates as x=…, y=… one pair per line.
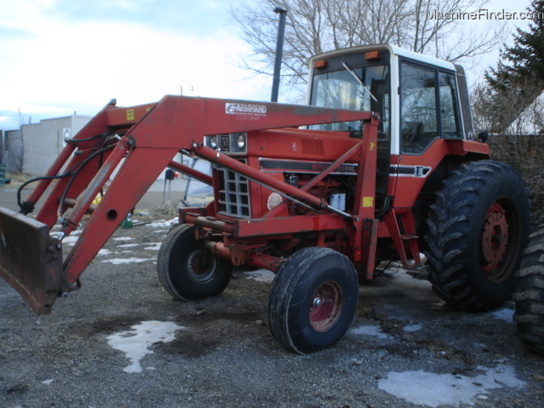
x=494, y=239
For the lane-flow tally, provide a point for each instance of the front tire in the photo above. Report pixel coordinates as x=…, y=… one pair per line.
x=312, y=300
x=187, y=269
x=529, y=294
x=477, y=231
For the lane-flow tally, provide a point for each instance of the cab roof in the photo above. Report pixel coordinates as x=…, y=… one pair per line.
x=394, y=51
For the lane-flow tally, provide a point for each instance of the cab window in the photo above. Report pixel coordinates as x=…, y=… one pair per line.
x=340, y=90
x=449, y=114
x=428, y=107
x=419, y=124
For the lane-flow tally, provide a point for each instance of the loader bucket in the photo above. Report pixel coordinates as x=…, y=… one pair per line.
x=30, y=260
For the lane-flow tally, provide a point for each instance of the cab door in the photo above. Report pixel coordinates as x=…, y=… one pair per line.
x=429, y=107
x=429, y=114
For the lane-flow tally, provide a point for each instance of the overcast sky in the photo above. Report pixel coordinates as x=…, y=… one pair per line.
x=58, y=56
x=61, y=56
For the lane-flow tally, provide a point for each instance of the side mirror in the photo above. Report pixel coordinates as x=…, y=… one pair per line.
x=483, y=136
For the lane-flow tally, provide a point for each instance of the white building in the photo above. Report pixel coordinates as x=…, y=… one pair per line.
x=34, y=147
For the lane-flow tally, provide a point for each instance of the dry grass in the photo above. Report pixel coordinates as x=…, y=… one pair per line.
x=167, y=210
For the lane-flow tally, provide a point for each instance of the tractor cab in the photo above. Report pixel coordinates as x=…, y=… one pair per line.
x=419, y=100
x=417, y=97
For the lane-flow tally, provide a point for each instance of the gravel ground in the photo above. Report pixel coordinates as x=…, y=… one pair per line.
x=122, y=341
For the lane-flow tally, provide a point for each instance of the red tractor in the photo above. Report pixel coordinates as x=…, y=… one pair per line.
x=380, y=166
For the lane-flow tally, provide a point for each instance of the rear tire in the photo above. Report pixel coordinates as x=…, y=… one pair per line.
x=477, y=231
x=529, y=294
x=187, y=269
x=312, y=300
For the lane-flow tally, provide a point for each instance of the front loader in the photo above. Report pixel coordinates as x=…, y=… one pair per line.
x=381, y=168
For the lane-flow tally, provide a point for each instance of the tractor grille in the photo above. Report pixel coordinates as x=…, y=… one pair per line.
x=233, y=194
x=224, y=143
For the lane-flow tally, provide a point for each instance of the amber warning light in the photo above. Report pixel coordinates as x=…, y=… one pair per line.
x=372, y=55
x=320, y=64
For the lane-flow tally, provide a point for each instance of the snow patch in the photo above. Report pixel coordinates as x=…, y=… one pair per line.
x=374, y=331
x=155, y=246
x=70, y=240
x=128, y=245
x=412, y=328
x=163, y=223
x=104, y=252
x=448, y=389
x=135, y=343
x=121, y=261
x=504, y=314
x=261, y=275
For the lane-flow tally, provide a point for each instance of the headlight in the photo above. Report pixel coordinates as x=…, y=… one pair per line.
x=213, y=142
x=274, y=200
x=241, y=141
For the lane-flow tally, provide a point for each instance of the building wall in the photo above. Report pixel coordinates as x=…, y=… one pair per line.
x=42, y=142
x=3, y=147
x=13, y=151
x=35, y=151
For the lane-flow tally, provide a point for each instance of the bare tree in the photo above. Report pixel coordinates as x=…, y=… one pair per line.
x=316, y=26
x=516, y=138
x=513, y=111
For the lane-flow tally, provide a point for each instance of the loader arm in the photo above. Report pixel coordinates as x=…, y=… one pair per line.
x=137, y=143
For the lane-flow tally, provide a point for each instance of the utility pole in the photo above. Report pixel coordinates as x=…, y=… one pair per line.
x=279, y=54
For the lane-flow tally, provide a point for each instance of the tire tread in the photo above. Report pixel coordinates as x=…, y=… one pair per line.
x=451, y=221
x=529, y=294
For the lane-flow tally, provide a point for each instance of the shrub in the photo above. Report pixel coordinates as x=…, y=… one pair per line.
x=525, y=153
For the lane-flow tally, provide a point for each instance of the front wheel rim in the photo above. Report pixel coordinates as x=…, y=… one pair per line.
x=201, y=266
x=325, y=306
